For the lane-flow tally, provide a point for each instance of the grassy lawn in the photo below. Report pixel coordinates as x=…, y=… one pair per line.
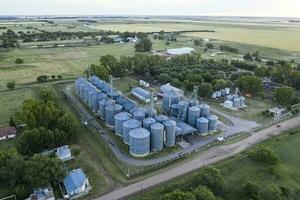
x=69, y=61
x=239, y=169
x=11, y=101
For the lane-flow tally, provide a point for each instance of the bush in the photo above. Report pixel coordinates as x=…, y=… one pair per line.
x=264, y=155
x=19, y=61
x=11, y=85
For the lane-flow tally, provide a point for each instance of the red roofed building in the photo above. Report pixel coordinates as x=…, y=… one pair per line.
x=7, y=132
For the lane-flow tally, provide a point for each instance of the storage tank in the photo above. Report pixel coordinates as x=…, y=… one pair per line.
x=227, y=91
x=223, y=92
x=114, y=95
x=229, y=97
x=78, y=82
x=228, y=104
x=170, y=133
x=202, y=125
x=119, y=119
x=128, y=126
x=219, y=94
x=214, y=95
x=147, y=122
x=169, y=98
x=139, y=114
x=181, y=111
x=139, y=141
x=102, y=104
x=92, y=94
x=236, y=102
x=242, y=101
x=174, y=110
x=96, y=99
x=161, y=118
x=213, y=122
x=194, y=113
x=110, y=112
x=157, y=136
x=82, y=89
x=204, y=110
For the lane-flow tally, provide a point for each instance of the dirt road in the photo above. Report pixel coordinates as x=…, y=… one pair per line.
x=211, y=156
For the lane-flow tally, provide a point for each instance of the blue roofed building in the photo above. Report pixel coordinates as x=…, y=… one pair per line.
x=63, y=153
x=142, y=94
x=44, y=193
x=76, y=184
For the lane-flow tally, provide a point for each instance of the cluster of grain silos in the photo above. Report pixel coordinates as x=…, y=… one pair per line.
x=220, y=93
x=234, y=102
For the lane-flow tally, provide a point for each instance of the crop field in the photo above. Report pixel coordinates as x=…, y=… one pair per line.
x=238, y=170
x=268, y=35
x=67, y=61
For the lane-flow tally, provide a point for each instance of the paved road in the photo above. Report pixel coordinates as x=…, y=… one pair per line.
x=239, y=125
x=212, y=155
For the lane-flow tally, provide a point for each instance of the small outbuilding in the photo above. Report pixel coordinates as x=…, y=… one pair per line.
x=180, y=51
x=7, y=133
x=44, y=193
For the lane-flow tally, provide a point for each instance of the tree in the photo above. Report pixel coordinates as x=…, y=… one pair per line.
x=284, y=95
x=209, y=45
x=221, y=84
x=53, y=76
x=19, y=61
x=212, y=179
x=59, y=76
x=203, y=193
x=46, y=93
x=264, y=154
x=198, y=42
x=164, y=78
x=205, y=90
x=250, y=84
x=43, y=170
x=11, y=85
x=143, y=45
x=42, y=78
x=178, y=195
x=248, y=57
x=100, y=71
x=273, y=192
x=251, y=189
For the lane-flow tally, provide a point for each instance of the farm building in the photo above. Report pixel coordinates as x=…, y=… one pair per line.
x=180, y=51
x=45, y=193
x=7, y=133
x=63, y=153
x=76, y=183
x=168, y=87
x=142, y=94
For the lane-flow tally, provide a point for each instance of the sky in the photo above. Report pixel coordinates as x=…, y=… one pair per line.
x=275, y=8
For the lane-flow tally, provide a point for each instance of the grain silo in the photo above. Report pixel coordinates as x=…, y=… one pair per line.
x=219, y=94
x=82, y=88
x=147, y=122
x=102, y=104
x=87, y=90
x=78, y=82
x=161, y=118
x=194, y=113
x=95, y=101
x=128, y=126
x=223, y=92
x=213, y=122
x=157, y=136
x=119, y=119
x=174, y=110
x=242, y=101
x=113, y=95
x=139, y=142
x=181, y=110
x=91, y=95
x=139, y=114
x=204, y=110
x=110, y=112
x=169, y=99
x=227, y=91
x=236, y=102
x=170, y=132
x=202, y=125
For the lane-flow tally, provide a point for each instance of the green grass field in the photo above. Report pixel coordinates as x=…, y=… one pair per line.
x=268, y=35
x=238, y=170
x=67, y=61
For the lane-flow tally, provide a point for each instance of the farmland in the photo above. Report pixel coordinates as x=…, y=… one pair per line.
x=269, y=35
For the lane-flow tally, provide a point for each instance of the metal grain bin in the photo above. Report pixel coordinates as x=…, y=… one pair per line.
x=161, y=118
x=194, y=113
x=102, y=104
x=95, y=101
x=242, y=101
x=170, y=133
x=147, y=122
x=119, y=119
x=128, y=126
x=236, y=102
x=169, y=98
x=139, y=114
x=181, y=112
x=204, y=110
x=110, y=112
x=202, y=125
x=157, y=136
x=174, y=110
x=139, y=142
x=213, y=122
x=223, y=92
